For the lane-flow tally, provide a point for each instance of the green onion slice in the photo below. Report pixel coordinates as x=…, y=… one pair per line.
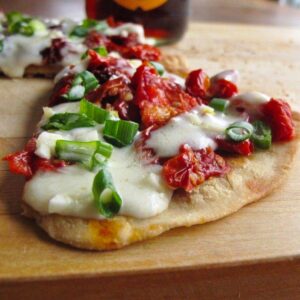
x=89, y=81
x=120, y=133
x=106, y=198
x=219, y=104
x=94, y=112
x=262, y=135
x=75, y=93
x=13, y=17
x=102, y=51
x=159, y=67
x=68, y=121
x=83, y=29
x=239, y=131
x=1, y=45
x=89, y=153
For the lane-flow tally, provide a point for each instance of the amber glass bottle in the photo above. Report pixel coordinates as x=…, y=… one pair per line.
x=165, y=20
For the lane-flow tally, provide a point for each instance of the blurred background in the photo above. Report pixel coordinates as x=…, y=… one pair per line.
x=269, y=12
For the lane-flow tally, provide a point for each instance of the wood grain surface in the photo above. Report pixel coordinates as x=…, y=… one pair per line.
x=249, y=254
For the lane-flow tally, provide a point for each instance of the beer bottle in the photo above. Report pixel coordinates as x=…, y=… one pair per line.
x=164, y=20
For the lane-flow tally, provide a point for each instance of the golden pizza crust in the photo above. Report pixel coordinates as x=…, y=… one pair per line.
x=250, y=179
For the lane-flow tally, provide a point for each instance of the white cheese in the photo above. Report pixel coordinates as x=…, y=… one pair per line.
x=125, y=29
x=229, y=75
x=253, y=98
x=20, y=51
x=198, y=128
x=69, y=190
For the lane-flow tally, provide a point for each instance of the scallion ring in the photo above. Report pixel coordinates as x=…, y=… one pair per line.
x=262, y=135
x=239, y=131
x=219, y=104
x=120, y=133
x=94, y=112
x=106, y=198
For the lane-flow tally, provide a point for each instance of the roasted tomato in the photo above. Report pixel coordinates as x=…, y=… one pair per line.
x=104, y=67
x=190, y=168
x=61, y=88
x=52, y=54
x=159, y=99
x=26, y=163
x=143, y=52
x=197, y=84
x=222, y=88
x=278, y=114
x=20, y=163
x=242, y=148
x=95, y=39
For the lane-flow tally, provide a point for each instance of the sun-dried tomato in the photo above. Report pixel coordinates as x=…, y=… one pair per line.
x=61, y=88
x=190, y=168
x=242, y=148
x=159, y=99
x=95, y=39
x=222, y=88
x=20, y=162
x=197, y=84
x=105, y=67
x=278, y=114
x=52, y=54
x=142, y=52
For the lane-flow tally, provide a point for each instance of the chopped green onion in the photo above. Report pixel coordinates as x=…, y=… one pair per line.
x=83, y=152
x=68, y=121
x=79, y=31
x=83, y=29
x=102, y=51
x=94, y=112
x=120, y=133
x=75, y=93
x=90, y=82
x=239, y=131
x=37, y=26
x=1, y=45
x=262, y=135
x=106, y=198
x=22, y=27
x=159, y=67
x=13, y=17
x=219, y=104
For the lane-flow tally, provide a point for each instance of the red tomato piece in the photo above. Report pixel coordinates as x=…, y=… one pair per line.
x=278, y=114
x=222, y=88
x=95, y=39
x=159, y=99
x=197, y=84
x=143, y=52
x=242, y=148
x=47, y=165
x=52, y=54
x=20, y=162
x=61, y=88
x=190, y=168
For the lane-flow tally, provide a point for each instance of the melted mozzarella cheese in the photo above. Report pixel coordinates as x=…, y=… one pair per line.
x=69, y=190
x=20, y=51
x=197, y=128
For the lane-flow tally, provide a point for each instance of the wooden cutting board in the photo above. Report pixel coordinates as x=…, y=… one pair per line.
x=242, y=255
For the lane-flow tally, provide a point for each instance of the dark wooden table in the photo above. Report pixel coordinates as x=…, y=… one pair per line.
x=231, y=11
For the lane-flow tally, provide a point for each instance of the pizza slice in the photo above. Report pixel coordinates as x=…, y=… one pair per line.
x=126, y=151
x=32, y=46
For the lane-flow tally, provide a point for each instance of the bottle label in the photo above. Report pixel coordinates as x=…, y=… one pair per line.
x=143, y=4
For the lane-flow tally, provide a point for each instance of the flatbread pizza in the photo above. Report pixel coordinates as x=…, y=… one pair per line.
x=129, y=148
